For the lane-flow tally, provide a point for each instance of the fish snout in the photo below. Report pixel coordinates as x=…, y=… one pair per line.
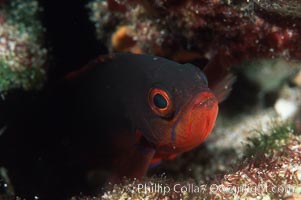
x=193, y=126
x=203, y=115
x=206, y=101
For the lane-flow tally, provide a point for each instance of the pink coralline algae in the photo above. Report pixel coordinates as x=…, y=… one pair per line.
x=220, y=33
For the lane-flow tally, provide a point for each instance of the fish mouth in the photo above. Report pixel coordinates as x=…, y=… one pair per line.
x=193, y=125
x=208, y=103
x=196, y=122
x=203, y=116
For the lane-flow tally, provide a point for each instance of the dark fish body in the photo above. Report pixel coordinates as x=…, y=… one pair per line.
x=122, y=112
x=109, y=101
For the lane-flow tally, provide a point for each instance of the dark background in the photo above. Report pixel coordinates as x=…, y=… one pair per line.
x=71, y=42
x=70, y=35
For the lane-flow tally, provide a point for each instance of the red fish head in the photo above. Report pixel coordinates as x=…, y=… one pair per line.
x=195, y=122
x=189, y=126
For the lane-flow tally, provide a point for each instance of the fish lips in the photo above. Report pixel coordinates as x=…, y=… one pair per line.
x=203, y=115
x=196, y=122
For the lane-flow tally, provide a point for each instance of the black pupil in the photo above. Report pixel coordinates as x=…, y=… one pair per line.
x=160, y=101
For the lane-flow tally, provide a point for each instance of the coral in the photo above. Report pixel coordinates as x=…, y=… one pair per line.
x=22, y=57
x=221, y=33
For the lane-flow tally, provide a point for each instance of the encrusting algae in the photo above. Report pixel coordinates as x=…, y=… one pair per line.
x=22, y=56
x=270, y=170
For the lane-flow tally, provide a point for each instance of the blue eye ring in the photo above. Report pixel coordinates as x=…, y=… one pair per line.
x=160, y=102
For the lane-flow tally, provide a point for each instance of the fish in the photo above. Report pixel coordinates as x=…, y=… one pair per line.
x=142, y=108
x=120, y=114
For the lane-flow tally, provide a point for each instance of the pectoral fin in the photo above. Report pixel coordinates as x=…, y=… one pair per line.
x=219, y=75
x=222, y=88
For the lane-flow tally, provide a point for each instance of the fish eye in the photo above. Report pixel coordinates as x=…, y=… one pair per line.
x=160, y=102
